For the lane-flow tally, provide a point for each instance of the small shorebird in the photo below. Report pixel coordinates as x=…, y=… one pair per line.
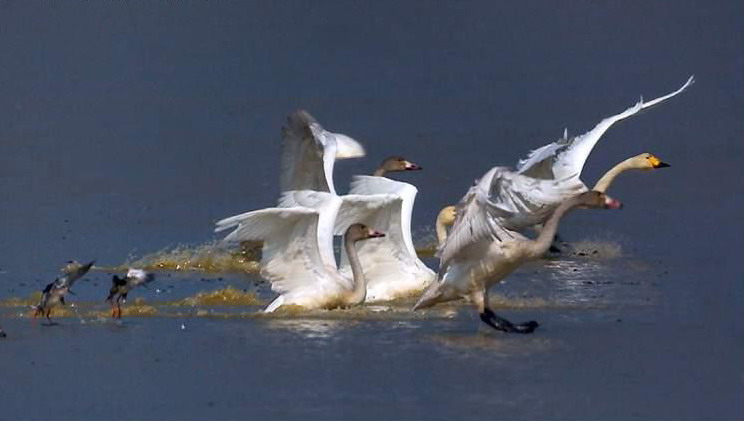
x=120, y=287
x=2, y=333
x=54, y=293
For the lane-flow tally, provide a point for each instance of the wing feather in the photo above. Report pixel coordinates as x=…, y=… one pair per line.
x=309, y=153
x=290, y=259
x=566, y=157
x=477, y=219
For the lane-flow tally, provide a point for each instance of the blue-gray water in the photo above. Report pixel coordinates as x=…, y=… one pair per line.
x=128, y=128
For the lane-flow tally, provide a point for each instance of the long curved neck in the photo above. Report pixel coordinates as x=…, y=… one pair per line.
x=542, y=243
x=359, y=292
x=441, y=231
x=379, y=172
x=605, y=182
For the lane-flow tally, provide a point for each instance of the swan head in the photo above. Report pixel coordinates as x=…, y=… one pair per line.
x=447, y=216
x=595, y=199
x=358, y=232
x=647, y=161
x=398, y=163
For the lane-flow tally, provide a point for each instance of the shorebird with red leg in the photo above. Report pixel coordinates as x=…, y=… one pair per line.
x=120, y=287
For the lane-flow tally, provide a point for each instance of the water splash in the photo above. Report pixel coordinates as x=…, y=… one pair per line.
x=229, y=296
x=210, y=257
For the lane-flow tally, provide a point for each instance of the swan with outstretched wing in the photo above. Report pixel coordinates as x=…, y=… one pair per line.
x=480, y=251
x=297, y=255
x=562, y=163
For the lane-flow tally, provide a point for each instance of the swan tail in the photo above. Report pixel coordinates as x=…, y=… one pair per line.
x=431, y=296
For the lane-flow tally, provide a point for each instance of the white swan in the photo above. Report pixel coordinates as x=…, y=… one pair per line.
x=561, y=163
x=309, y=153
x=392, y=268
x=297, y=253
x=480, y=252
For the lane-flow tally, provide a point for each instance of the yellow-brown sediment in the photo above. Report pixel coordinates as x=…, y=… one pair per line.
x=204, y=258
x=229, y=296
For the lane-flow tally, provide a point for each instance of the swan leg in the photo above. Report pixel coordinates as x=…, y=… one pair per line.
x=499, y=323
x=490, y=318
x=559, y=246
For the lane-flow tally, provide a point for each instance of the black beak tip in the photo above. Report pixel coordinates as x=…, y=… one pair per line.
x=663, y=165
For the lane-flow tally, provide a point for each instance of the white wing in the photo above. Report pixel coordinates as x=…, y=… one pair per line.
x=291, y=259
x=347, y=147
x=566, y=157
x=477, y=219
x=309, y=153
x=360, y=209
x=327, y=205
x=366, y=185
x=390, y=263
x=528, y=200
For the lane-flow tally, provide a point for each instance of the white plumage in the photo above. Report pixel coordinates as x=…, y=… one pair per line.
x=297, y=253
x=558, y=168
x=391, y=266
x=309, y=153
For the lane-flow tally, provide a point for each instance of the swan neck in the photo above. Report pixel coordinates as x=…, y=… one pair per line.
x=441, y=231
x=605, y=182
x=545, y=239
x=379, y=172
x=359, y=292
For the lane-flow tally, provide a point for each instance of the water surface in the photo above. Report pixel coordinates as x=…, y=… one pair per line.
x=126, y=130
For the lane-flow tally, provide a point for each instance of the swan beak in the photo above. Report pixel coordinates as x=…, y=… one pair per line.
x=657, y=163
x=611, y=203
x=375, y=234
x=410, y=166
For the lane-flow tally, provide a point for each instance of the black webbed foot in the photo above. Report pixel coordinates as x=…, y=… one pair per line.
x=499, y=323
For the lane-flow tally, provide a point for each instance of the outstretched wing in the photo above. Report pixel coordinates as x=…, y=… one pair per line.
x=72, y=275
x=291, y=258
x=566, y=157
x=309, y=153
x=528, y=200
x=327, y=205
x=387, y=261
x=477, y=219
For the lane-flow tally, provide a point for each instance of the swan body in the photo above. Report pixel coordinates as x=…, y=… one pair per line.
x=297, y=253
x=309, y=153
x=480, y=251
x=391, y=266
x=560, y=163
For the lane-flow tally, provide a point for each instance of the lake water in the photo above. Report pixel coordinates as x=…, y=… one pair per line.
x=127, y=130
